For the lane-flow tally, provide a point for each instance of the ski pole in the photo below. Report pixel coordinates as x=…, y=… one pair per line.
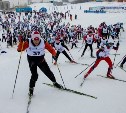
x=71, y=55
x=115, y=55
x=120, y=61
x=84, y=69
x=80, y=48
x=114, y=58
x=61, y=75
x=18, y=69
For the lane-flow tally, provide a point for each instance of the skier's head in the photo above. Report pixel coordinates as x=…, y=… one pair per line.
x=57, y=41
x=36, y=37
x=90, y=32
x=104, y=37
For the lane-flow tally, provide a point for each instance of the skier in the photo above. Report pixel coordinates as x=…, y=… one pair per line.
x=60, y=47
x=35, y=47
x=89, y=39
x=74, y=41
x=103, y=54
x=105, y=31
x=124, y=60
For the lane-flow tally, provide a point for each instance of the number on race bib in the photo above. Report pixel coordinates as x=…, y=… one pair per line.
x=89, y=41
x=36, y=53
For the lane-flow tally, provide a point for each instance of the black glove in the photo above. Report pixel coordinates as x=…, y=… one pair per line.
x=54, y=57
x=98, y=57
x=118, y=44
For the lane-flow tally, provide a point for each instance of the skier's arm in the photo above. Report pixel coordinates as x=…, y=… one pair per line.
x=84, y=38
x=50, y=49
x=99, y=54
x=94, y=39
x=22, y=46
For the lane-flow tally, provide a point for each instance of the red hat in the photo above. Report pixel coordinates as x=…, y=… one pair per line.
x=35, y=35
x=90, y=31
x=57, y=40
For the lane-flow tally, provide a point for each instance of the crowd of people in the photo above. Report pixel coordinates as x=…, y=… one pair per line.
x=35, y=32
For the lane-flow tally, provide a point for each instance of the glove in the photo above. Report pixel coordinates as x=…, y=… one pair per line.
x=54, y=57
x=118, y=44
x=98, y=57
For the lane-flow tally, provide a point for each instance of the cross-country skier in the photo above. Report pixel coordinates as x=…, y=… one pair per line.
x=35, y=47
x=60, y=47
x=103, y=54
x=89, y=39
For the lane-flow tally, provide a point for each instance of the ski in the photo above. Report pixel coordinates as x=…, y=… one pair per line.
x=71, y=91
x=29, y=103
x=112, y=78
x=77, y=63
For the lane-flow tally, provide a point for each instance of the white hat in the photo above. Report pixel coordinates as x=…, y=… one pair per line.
x=35, y=35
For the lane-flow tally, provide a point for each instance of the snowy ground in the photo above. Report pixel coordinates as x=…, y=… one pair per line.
x=111, y=94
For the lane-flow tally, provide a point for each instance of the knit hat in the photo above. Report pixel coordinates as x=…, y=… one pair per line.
x=57, y=40
x=35, y=35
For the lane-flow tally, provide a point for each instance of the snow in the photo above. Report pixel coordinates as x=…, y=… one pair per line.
x=111, y=94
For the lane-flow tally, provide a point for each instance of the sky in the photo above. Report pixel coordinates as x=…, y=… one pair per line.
x=111, y=94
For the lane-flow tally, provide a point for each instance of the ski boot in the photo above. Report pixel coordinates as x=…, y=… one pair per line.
x=110, y=76
x=82, y=55
x=93, y=56
x=57, y=85
x=121, y=65
x=31, y=90
x=72, y=61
